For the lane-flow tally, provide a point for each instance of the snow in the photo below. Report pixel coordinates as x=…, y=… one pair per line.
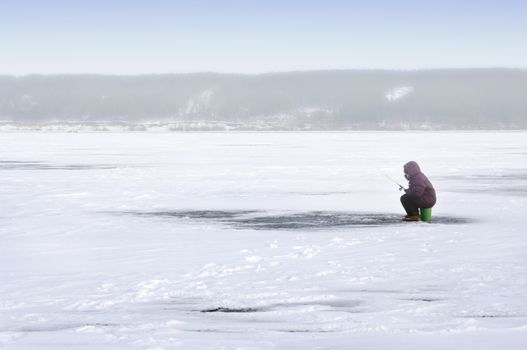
x=260, y=241
x=398, y=93
x=199, y=103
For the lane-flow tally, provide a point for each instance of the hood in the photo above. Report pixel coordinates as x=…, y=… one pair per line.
x=411, y=168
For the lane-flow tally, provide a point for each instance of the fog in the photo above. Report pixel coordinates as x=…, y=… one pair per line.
x=316, y=100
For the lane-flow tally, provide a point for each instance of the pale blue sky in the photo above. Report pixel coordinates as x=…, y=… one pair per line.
x=245, y=36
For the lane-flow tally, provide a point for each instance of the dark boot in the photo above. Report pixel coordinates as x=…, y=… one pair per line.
x=412, y=218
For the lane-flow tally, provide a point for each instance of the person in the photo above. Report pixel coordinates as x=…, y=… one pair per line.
x=420, y=192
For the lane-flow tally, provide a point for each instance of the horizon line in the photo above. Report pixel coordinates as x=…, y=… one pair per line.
x=204, y=72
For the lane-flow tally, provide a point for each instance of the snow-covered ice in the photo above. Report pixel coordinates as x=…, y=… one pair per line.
x=260, y=241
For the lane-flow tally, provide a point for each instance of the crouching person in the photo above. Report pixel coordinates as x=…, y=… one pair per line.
x=420, y=193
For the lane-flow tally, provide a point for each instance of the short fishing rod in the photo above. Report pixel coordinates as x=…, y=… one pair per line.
x=401, y=187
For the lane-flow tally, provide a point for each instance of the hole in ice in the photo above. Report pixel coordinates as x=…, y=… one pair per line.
x=260, y=220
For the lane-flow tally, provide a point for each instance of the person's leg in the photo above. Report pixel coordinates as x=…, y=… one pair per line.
x=409, y=205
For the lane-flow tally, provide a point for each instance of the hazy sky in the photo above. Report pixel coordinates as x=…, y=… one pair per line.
x=245, y=36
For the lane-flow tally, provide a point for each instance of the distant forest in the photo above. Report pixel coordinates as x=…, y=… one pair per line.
x=323, y=100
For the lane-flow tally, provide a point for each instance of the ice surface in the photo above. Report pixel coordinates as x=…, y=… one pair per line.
x=260, y=241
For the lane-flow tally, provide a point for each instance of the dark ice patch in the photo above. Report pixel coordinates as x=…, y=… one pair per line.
x=314, y=220
x=488, y=178
x=322, y=220
x=232, y=310
x=494, y=316
x=497, y=190
x=261, y=220
x=199, y=214
x=39, y=165
x=341, y=305
x=217, y=330
x=510, y=183
x=426, y=300
x=305, y=330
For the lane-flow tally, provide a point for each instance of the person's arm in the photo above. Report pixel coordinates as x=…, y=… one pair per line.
x=416, y=188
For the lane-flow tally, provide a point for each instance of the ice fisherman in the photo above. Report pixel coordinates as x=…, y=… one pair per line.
x=419, y=194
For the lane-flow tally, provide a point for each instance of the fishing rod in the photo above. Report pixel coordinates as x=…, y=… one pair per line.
x=401, y=187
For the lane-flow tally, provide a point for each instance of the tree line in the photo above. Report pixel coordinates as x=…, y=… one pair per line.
x=340, y=99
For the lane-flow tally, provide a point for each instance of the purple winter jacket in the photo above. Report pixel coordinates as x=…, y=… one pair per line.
x=420, y=188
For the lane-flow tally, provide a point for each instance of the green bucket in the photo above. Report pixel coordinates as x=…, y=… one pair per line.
x=426, y=214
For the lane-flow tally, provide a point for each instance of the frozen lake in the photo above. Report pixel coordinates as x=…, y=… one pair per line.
x=261, y=241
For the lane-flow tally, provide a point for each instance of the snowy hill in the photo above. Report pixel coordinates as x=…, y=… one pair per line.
x=398, y=93
x=317, y=100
